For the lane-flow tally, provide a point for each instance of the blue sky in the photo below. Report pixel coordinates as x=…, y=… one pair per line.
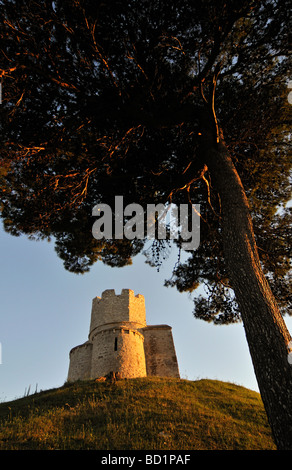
x=45, y=311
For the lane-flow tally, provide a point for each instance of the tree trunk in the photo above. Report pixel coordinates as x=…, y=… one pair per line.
x=265, y=329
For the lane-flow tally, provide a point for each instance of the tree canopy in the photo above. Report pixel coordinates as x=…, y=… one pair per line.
x=111, y=98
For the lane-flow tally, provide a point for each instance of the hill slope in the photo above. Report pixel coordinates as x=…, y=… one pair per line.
x=137, y=414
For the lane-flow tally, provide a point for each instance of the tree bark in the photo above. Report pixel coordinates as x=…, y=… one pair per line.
x=265, y=329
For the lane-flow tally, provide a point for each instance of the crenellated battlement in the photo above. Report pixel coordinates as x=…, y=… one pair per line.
x=120, y=341
x=111, y=308
x=125, y=293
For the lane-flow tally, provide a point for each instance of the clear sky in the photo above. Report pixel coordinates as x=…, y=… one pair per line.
x=45, y=311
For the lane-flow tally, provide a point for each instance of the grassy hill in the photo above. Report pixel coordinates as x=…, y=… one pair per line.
x=137, y=414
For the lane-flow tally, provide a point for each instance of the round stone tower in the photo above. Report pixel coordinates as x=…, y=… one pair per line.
x=116, y=334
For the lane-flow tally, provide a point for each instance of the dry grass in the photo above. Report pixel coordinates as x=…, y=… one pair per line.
x=137, y=414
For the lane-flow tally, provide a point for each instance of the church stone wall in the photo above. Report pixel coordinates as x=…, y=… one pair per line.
x=160, y=352
x=80, y=362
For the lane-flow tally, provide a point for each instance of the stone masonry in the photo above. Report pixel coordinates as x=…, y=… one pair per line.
x=120, y=342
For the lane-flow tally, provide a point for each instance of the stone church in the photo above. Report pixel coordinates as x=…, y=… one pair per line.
x=121, y=343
